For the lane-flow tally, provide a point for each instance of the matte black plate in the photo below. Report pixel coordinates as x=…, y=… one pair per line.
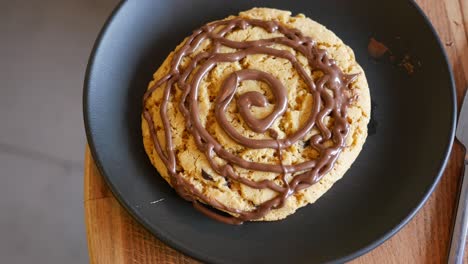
x=410, y=137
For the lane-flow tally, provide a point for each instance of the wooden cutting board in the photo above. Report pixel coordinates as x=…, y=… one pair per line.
x=115, y=237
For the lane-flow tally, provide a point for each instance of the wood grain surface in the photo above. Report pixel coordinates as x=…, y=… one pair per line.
x=115, y=237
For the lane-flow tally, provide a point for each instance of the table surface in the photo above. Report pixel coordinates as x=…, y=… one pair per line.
x=115, y=237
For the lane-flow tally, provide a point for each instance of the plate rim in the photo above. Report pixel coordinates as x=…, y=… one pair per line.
x=194, y=254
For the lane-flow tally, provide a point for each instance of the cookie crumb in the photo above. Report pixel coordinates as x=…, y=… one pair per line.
x=376, y=49
x=407, y=65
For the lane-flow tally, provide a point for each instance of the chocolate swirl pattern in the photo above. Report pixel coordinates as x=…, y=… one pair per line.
x=331, y=97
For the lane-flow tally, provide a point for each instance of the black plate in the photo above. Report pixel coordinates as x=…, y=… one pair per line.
x=410, y=136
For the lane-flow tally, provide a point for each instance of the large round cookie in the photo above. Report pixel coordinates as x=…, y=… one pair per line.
x=232, y=130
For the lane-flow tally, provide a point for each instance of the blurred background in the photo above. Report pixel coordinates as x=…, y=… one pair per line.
x=44, y=48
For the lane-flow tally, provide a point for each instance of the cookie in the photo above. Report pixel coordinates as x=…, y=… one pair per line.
x=256, y=115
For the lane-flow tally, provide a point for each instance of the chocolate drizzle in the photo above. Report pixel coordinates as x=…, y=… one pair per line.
x=325, y=104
